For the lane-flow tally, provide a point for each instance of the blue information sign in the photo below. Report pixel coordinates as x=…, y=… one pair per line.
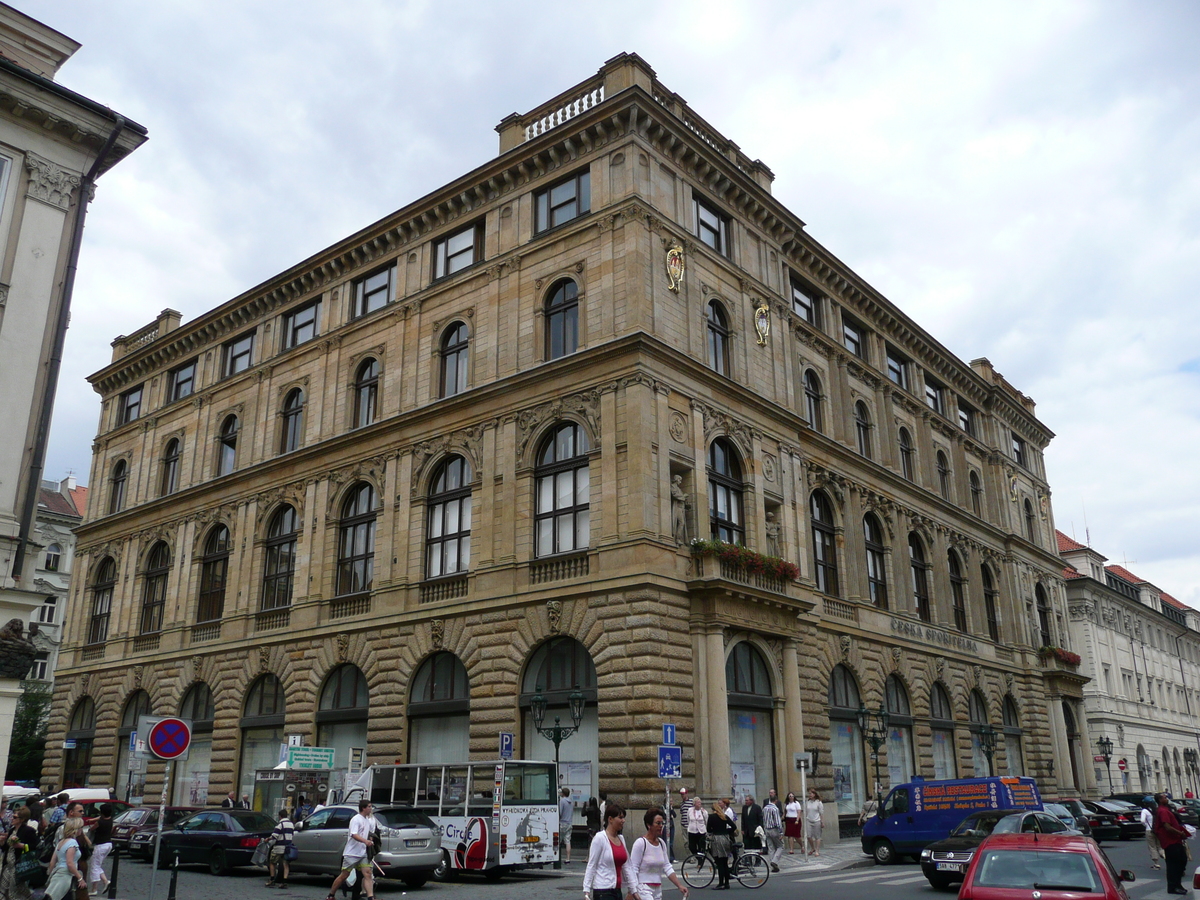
x=506, y=745
x=670, y=762
x=668, y=733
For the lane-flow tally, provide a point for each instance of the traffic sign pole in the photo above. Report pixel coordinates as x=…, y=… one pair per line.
x=162, y=814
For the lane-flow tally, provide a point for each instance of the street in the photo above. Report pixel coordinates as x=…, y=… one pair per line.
x=900, y=882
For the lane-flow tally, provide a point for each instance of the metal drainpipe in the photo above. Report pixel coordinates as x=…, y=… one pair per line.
x=42, y=435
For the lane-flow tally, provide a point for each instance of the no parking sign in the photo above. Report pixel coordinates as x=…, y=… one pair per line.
x=166, y=737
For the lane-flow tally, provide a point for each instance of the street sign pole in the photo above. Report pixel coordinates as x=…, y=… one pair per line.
x=162, y=814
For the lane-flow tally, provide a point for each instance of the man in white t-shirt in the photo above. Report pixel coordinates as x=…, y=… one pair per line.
x=354, y=856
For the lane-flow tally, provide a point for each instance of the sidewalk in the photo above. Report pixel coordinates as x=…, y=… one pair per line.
x=844, y=855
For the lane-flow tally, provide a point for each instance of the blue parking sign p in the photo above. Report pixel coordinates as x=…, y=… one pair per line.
x=506, y=745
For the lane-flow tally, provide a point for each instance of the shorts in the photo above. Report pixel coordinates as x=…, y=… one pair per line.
x=564, y=837
x=278, y=850
x=355, y=862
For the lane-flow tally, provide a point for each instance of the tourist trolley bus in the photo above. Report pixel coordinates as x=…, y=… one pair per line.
x=495, y=815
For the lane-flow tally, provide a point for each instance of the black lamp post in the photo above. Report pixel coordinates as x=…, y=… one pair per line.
x=873, y=725
x=557, y=733
x=987, y=743
x=1105, y=745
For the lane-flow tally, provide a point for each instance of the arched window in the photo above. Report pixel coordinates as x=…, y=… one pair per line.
x=900, y=725
x=116, y=486
x=366, y=393
x=824, y=545
x=342, y=713
x=191, y=776
x=81, y=729
x=555, y=669
x=439, y=710
x=279, y=563
x=1031, y=530
x=725, y=493
x=862, y=429
x=169, y=481
x=53, y=558
x=919, y=568
x=293, y=421
x=907, y=456
x=1043, y=616
x=102, y=597
x=454, y=360
x=562, y=521
x=562, y=319
x=978, y=714
x=750, y=703
x=154, y=588
x=958, y=591
x=876, y=571
x=976, y=493
x=137, y=705
x=263, y=717
x=214, y=573
x=812, y=400
x=1013, y=753
x=227, y=446
x=945, y=763
x=845, y=740
x=943, y=471
x=448, y=537
x=991, y=600
x=356, y=542
x=718, y=338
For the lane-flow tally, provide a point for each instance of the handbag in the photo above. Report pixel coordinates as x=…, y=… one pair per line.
x=28, y=866
x=291, y=852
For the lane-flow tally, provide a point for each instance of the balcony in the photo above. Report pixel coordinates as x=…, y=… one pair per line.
x=349, y=605
x=206, y=631
x=559, y=568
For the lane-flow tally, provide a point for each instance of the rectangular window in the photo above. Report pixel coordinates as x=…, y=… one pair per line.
x=183, y=381
x=935, y=396
x=854, y=337
x=300, y=326
x=1019, y=452
x=39, y=670
x=46, y=612
x=239, y=354
x=374, y=292
x=805, y=303
x=897, y=368
x=456, y=251
x=563, y=202
x=711, y=227
x=966, y=418
x=131, y=405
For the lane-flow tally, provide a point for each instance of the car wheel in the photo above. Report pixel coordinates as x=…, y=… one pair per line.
x=939, y=882
x=412, y=882
x=442, y=872
x=165, y=858
x=216, y=861
x=884, y=852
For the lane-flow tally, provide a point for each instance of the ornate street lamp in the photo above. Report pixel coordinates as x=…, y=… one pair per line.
x=1190, y=759
x=987, y=743
x=1105, y=744
x=874, y=728
x=557, y=733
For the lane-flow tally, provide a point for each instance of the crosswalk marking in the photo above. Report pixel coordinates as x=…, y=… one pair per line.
x=911, y=879
x=872, y=877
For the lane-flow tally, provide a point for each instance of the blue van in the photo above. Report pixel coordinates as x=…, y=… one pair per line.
x=918, y=813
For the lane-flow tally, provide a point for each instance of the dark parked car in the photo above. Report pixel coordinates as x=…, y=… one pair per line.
x=944, y=862
x=133, y=830
x=410, y=843
x=1129, y=817
x=1102, y=823
x=1067, y=817
x=218, y=838
x=1187, y=815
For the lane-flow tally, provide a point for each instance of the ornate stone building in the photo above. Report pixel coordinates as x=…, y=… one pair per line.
x=61, y=506
x=385, y=498
x=1141, y=651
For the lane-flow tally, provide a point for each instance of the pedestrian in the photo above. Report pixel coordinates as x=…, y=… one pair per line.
x=608, y=858
x=245, y=804
x=649, y=861
x=721, y=828
x=230, y=801
x=566, y=816
x=101, y=846
x=303, y=809
x=1151, y=838
x=1171, y=837
x=792, y=830
x=354, y=856
x=697, y=827
x=65, y=874
x=35, y=813
x=814, y=819
x=20, y=838
x=591, y=815
x=603, y=804
x=773, y=828
x=281, y=839
x=752, y=819
x=773, y=797
x=6, y=814
x=869, y=809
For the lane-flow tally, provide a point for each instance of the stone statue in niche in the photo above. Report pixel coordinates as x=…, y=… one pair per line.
x=773, y=530
x=16, y=650
x=679, y=507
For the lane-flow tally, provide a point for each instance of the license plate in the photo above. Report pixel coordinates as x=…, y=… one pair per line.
x=416, y=843
x=949, y=867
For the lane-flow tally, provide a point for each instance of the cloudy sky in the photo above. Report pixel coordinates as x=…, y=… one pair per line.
x=1021, y=178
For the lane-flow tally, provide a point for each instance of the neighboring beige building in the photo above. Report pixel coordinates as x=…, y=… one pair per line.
x=61, y=506
x=1141, y=650
x=383, y=499
x=50, y=140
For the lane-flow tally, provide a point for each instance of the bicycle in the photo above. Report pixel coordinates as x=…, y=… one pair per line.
x=749, y=867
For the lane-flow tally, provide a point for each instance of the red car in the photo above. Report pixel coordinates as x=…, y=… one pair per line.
x=1051, y=866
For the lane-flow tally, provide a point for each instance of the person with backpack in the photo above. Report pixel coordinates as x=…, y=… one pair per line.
x=281, y=842
x=649, y=861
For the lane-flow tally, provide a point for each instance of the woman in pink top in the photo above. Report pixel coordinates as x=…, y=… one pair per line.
x=608, y=859
x=648, y=861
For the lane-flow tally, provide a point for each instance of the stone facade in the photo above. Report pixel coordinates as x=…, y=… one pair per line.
x=675, y=407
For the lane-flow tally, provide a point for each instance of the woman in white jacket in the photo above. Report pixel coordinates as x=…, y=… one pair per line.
x=649, y=862
x=608, y=875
